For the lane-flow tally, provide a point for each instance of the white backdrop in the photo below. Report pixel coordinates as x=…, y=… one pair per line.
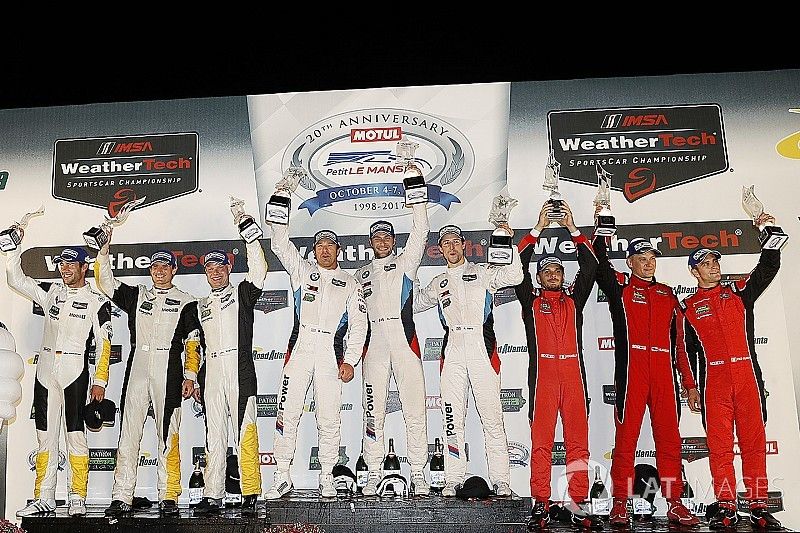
x=475, y=140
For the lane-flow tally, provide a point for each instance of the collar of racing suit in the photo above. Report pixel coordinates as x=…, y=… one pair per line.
x=384, y=260
x=219, y=293
x=553, y=295
x=456, y=270
x=710, y=290
x=636, y=281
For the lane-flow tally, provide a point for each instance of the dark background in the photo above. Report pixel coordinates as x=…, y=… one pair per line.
x=152, y=71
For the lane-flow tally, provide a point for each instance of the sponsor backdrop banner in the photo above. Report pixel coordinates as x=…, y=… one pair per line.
x=679, y=149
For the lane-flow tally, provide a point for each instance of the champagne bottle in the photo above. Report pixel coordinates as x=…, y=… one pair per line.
x=391, y=464
x=598, y=487
x=196, y=486
x=437, y=467
x=362, y=471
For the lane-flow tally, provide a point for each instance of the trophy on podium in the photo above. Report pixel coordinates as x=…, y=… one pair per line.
x=11, y=237
x=280, y=203
x=552, y=173
x=605, y=225
x=500, y=244
x=97, y=236
x=413, y=182
x=771, y=237
x=248, y=229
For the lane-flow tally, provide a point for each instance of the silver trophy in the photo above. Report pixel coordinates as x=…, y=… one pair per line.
x=771, y=237
x=11, y=237
x=97, y=236
x=416, y=190
x=280, y=202
x=551, y=175
x=248, y=229
x=605, y=225
x=500, y=244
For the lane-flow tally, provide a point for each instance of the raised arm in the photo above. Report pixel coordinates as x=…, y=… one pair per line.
x=21, y=283
x=124, y=296
x=506, y=275
x=287, y=253
x=417, y=240
x=765, y=271
x=256, y=264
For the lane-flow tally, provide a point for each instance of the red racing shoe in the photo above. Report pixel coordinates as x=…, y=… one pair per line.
x=679, y=515
x=619, y=513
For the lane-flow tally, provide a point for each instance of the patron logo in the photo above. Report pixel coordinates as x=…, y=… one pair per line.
x=559, y=457
x=518, y=455
x=62, y=459
x=313, y=463
x=609, y=394
x=772, y=448
x=350, y=160
x=102, y=459
x=272, y=300
x=114, y=357
x=108, y=172
x=511, y=400
x=433, y=349
x=605, y=343
x=260, y=355
x=694, y=448
x=145, y=459
x=267, y=405
x=774, y=501
x=646, y=149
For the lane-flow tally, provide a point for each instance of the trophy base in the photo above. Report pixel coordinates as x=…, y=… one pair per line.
x=416, y=191
x=9, y=239
x=773, y=238
x=249, y=230
x=606, y=226
x=277, y=211
x=499, y=252
x=95, y=238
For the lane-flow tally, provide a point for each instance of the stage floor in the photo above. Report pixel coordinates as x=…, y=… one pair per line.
x=420, y=514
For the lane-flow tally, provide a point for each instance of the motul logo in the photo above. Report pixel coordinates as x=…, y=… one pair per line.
x=605, y=343
x=369, y=135
x=145, y=146
x=644, y=120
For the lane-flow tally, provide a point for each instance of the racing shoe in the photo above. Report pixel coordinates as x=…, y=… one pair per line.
x=373, y=480
x=208, y=506
x=581, y=516
x=679, y=515
x=77, y=506
x=419, y=486
x=761, y=518
x=501, y=488
x=38, y=506
x=249, y=504
x=117, y=508
x=326, y=487
x=165, y=507
x=449, y=490
x=619, y=513
x=726, y=516
x=540, y=516
x=281, y=485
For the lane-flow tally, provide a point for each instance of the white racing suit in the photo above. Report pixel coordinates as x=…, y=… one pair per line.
x=222, y=325
x=464, y=296
x=152, y=375
x=393, y=347
x=330, y=327
x=76, y=321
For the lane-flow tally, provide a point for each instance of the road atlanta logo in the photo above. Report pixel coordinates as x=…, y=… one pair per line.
x=352, y=167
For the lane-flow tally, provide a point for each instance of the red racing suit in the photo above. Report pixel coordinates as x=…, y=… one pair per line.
x=720, y=339
x=645, y=316
x=556, y=376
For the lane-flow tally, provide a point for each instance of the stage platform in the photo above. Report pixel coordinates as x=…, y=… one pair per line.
x=357, y=515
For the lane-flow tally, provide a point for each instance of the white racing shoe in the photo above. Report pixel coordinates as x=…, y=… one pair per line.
x=419, y=486
x=326, y=487
x=77, y=506
x=38, y=506
x=373, y=480
x=502, y=489
x=449, y=490
x=281, y=486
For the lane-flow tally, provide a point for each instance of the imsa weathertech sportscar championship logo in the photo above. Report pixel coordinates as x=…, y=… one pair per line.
x=646, y=149
x=108, y=172
x=351, y=165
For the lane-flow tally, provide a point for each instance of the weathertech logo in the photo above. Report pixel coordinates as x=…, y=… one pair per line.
x=645, y=149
